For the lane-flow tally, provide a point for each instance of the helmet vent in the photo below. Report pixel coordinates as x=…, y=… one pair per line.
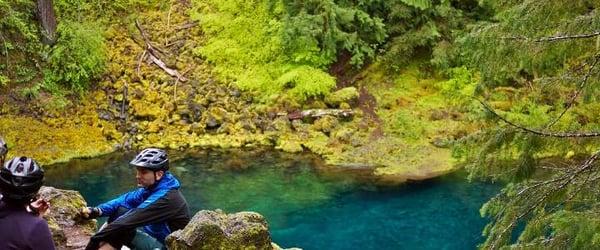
x=19, y=168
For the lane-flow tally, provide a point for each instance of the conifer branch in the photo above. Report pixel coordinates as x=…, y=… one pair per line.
x=553, y=38
x=564, y=180
x=579, y=90
x=537, y=132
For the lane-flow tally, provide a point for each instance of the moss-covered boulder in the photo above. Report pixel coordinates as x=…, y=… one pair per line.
x=217, y=230
x=69, y=231
x=345, y=95
x=325, y=124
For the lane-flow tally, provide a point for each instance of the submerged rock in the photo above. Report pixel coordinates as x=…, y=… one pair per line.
x=217, y=230
x=69, y=231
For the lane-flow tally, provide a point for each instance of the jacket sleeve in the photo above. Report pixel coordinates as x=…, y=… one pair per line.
x=128, y=200
x=153, y=210
x=41, y=238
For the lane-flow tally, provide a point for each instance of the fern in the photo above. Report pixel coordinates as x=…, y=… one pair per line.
x=421, y=4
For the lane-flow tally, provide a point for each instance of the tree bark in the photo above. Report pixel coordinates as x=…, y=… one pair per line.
x=47, y=18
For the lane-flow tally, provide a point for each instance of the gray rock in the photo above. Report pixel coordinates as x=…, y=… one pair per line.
x=69, y=230
x=217, y=230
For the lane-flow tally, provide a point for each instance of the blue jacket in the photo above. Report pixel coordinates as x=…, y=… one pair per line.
x=160, y=209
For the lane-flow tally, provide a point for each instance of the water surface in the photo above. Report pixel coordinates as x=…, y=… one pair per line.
x=305, y=203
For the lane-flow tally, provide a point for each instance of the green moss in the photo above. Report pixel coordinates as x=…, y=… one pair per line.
x=243, y=42
x=344, y=95
x=55, y=140
x=289, y=143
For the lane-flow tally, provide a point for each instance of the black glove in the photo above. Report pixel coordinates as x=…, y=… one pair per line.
x=91, y=212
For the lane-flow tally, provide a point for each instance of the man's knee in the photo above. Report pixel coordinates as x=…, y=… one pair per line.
x=106, y=246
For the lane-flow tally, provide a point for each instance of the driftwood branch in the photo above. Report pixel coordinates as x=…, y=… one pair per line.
x=187, y=26
x=316, y=113
x=537, y=132
x=153, y=53
x=554, y=38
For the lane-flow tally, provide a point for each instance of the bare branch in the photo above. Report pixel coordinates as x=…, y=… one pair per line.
x=553, y=38
x=153, y=55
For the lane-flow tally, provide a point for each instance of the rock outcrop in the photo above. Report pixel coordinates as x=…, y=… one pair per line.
x=69, y=231
x=217, y=230
x=207, y=229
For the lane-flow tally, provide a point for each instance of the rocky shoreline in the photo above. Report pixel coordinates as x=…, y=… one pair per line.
x=137, y=105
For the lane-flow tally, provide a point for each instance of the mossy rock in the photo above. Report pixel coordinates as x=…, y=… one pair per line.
x=345, y=95
x=319, y=143
x=289, y=143
x=155, y=126
x=217, y=230
x=325, y=124
x=69, y=230
x=343, y=135
x=281, y=124
x=146, y=110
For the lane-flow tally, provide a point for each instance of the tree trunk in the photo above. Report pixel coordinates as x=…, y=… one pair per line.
x=45, y=11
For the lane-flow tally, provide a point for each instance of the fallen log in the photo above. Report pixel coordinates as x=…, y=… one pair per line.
x=152, y=53
x=317, y=113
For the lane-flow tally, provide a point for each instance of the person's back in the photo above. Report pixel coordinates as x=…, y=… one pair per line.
x=20, y=181
x=21, y=229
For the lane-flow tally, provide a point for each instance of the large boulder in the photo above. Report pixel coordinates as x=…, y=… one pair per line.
x=69, y=231
x=217, y=230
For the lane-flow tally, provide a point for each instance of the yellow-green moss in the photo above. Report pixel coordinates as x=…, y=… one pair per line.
x=55, y=140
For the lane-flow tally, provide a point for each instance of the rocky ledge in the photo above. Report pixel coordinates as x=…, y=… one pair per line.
x=207, y=229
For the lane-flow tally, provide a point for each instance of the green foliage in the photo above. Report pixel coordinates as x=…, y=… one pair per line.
x=99, y=10
x=306, y=82
x=581, y=228
x=421, y=4
x=329, y=27
x=77, y=58
x=4, y=80
x=503, y=55
x=460, y=87
x=31, y=92
x=550, y=189
x=244, y=42
x=19, y=42
x=421, y=27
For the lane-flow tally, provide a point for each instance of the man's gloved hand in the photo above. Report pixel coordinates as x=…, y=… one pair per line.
x=91, y=212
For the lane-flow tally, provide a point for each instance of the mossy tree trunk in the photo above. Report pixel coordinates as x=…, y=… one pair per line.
x=47, y=18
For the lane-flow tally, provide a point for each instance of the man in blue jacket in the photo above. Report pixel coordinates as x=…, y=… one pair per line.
x=155, y=209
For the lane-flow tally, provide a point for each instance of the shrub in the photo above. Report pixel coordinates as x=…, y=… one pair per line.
x=77, y=58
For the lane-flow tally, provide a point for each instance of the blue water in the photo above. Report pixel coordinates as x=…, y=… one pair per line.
x=306, y=204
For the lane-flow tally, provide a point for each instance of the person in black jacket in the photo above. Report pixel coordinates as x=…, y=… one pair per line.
x=20, y=181
x=145, y=215
x=36, y=206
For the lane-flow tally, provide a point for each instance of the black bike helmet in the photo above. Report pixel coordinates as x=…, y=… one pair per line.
x=21, y=178
x=151, y=158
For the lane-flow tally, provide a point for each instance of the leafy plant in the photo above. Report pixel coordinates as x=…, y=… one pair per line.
x=77, y=58
x=4, y=80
